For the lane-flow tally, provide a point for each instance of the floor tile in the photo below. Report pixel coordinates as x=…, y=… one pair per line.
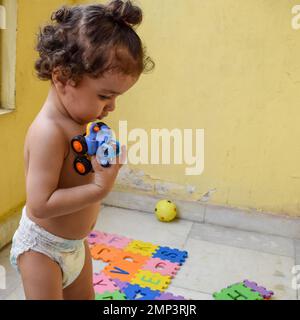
x=297, y=267
x=253, y=221
x=98, y=265
x=211, y=267
x=143, y=226
x=297, y=251
x=244, y=239
x=189, y=294
x=17, y=294
x=13, y=279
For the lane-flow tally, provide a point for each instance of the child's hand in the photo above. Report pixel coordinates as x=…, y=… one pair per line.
x=105, y=177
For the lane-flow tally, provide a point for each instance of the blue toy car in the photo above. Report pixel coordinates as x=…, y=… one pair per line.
x=98, y=140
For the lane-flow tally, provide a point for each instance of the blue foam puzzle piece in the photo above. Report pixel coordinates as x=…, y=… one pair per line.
x=173, y=255
x=131, y=292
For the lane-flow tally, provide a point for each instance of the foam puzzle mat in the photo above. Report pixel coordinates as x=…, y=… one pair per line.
x=136, y=270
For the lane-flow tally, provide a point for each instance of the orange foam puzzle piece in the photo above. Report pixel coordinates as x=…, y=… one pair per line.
x=131, y=257
x=104, y=253
x=123, y=270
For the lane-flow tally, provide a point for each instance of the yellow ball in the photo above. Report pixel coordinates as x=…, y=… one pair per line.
x=165, y=210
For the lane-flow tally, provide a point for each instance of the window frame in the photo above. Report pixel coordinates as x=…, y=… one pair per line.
x=8, y=45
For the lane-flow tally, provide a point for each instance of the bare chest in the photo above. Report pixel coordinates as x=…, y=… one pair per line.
x=68, y=176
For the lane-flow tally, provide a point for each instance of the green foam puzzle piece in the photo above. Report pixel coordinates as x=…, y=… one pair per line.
x=116, y=295
x=237, y=291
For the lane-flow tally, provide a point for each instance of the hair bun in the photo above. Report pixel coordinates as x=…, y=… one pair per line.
x=61, y=15
x=124, y=11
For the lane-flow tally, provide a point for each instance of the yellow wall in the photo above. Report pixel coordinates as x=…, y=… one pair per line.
x=231, y=67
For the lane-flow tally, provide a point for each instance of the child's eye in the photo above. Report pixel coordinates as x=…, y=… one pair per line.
x=103, y=97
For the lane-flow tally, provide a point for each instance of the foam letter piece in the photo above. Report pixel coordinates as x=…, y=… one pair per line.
x=164, y=267
x=116, y=295
x=131, y=257
x=237, y=292
x=103, y=283
x=118, y=241
x=109, y=239
x=263, y=291
x=169, y=296
x=104, y=253
x=135, y=292
x=154, y=281
x=141, y=247
x=122, y=270
x=173, y=255
x=120, y=284
x=96, y=237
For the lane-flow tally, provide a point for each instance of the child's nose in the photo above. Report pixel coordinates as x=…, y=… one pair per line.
x=110, y=107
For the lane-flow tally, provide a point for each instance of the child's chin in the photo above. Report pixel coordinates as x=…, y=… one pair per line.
x=102, y=116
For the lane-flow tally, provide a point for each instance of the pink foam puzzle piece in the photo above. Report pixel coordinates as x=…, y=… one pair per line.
x=109, y=239
x=164, y=267
x=103, y=283
x=97, y=237
x=117, y=241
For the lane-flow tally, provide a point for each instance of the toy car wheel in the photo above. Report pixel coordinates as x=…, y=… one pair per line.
x=82, y=165
x=79, y=145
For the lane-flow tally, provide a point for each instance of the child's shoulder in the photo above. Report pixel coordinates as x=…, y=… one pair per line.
x=46, y=134
x=44, y=128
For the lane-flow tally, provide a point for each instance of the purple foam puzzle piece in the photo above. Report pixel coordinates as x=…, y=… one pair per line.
x=120, y=284
x=96, y=237
x=267, y=294
x=169, y=296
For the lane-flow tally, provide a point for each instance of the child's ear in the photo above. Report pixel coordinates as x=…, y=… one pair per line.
x=57, y=80
x=71, y=83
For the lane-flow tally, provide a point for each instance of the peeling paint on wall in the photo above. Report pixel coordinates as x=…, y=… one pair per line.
x=139, y=180
x=207, y=195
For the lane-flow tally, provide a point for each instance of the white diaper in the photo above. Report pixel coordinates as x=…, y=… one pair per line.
x=69, y=254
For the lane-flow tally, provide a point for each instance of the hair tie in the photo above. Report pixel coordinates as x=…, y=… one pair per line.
x=116, y=19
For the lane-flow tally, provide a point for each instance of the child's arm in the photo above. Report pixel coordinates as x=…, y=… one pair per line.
x=47, y=150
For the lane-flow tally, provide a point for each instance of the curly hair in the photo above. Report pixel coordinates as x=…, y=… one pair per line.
x=92, y=39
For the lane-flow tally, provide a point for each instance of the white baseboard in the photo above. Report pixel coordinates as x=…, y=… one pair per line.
x=250, y=220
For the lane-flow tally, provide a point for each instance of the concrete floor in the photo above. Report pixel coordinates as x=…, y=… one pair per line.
x=218, y=256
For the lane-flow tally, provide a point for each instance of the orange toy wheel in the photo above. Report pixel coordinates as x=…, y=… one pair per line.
x=79, y=145
x=82, y=165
